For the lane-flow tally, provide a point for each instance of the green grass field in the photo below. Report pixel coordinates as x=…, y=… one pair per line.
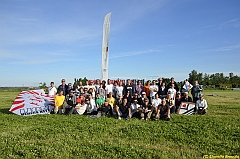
x=59, y=136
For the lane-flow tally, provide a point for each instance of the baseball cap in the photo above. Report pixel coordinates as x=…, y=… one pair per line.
x=143, y=92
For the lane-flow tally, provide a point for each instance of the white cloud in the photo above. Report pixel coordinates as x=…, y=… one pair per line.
x=133, y=53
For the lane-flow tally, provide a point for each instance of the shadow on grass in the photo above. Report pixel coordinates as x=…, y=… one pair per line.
x=5, y=111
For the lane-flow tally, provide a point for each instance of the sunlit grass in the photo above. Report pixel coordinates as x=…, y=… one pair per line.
x=59, y=136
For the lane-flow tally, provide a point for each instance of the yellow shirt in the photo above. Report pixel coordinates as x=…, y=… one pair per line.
x=111, y=101
x=59, y=100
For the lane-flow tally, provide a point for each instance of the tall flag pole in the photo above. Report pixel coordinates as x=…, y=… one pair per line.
x=106, y=32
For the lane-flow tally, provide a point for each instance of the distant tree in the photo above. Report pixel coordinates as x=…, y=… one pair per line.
x=43, y=85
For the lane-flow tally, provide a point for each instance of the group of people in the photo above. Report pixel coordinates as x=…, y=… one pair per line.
x=154, y=100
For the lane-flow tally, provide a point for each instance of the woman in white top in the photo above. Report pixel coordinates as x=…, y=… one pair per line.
x=201, y=105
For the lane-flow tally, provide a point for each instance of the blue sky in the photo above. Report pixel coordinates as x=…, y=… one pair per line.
x=44, y=41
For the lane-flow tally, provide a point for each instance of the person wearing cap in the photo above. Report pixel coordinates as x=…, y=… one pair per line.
x=122, y=109
x=141, y=100
x=201, y=105
x=134, y=109
x=146, y=111
x=163, y=111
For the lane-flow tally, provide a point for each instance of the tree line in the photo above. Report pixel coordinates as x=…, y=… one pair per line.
x=217, y=80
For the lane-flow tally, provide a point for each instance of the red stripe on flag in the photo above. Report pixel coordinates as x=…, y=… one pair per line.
x=18, y=107
x=17, y=102
x=106, y=49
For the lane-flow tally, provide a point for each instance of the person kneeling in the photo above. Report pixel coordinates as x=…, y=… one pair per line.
x=146, y=110
x=70, y=102
x=122, y=109
x=134, y=110
x=163, y=111
x=201, y=105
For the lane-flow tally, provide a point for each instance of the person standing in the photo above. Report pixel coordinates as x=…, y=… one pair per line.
x=175, y=84
x=196, y=91
x=128, y=87
x=162, y=92
x=63, y=87
x=52, y=91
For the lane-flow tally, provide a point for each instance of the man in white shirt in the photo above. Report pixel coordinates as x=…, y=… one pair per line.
x=172, y=91
x=109, y=87
x=153, y=89
x=133, y=110
x=52, y=91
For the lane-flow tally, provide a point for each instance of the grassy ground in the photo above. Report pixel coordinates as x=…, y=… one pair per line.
x=59, y=136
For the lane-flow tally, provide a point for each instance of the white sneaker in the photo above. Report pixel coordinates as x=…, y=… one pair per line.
x=119, y=118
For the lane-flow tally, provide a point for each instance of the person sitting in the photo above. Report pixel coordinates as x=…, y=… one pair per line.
x=143, y=96
x=122, y=109
x=163, y=111
x=111, y=101
x=146, y=111
x=178, y=102
x=91, y=105
x=103, y=110
x=80, y=98
x=76, y=92
x=70, y=101
x=201, y=105
x=59, y=100
x=79, y=109
x=134, y=110
x=99, y=100
x=171, y=103
x=128, y=96
x=186, y=98
x=136, y=96
x=155, y=102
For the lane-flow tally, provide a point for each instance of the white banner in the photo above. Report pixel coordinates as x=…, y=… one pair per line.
x=186, y=108
x=32, y=102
